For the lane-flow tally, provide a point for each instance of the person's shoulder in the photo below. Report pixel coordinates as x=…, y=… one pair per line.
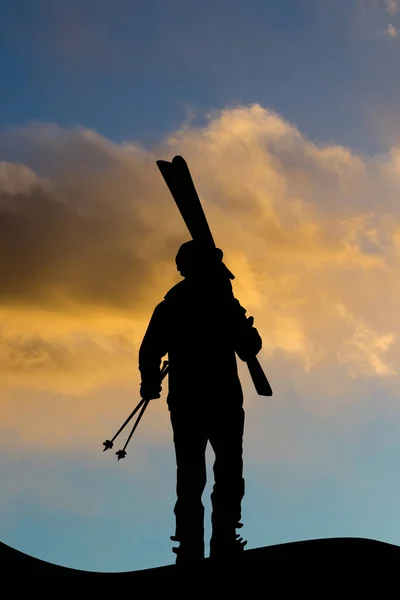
x=177, y=291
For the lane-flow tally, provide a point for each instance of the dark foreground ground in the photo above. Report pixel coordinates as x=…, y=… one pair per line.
x=271, y=568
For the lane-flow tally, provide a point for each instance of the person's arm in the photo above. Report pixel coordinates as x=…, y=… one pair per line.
x=152, y=349
x=248, y=342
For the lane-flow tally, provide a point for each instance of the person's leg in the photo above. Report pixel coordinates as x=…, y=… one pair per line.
x=226, y=438
x=190, y=443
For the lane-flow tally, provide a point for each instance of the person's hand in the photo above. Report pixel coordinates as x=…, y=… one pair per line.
x=150, y=391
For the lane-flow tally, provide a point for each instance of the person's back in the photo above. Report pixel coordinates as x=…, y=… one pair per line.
x=200, y=331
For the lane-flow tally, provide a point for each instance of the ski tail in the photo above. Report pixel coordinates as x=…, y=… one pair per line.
x=258, y=377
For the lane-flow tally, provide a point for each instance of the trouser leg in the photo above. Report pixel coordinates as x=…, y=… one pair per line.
x=190, y=443
x=226, y=438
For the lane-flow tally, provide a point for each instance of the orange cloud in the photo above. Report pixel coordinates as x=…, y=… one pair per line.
x=89, y=232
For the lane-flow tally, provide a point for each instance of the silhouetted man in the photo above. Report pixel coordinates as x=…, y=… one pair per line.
x=201, y=326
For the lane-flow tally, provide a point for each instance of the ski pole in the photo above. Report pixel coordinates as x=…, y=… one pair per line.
x=108, y=444
x=122, y=453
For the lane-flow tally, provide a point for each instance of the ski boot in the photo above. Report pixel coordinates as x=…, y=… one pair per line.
x=226, y=544
x=189, y=551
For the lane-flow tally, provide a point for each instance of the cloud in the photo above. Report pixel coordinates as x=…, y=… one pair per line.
x=392, y=6
x=392, y=31
x=373, y=17
x=81, y=253
x=89, y=232
x=363, y=351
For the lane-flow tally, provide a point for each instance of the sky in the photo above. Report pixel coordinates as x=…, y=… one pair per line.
x=288, y=116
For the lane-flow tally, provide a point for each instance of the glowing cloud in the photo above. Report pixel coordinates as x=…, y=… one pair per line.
x=88, y=236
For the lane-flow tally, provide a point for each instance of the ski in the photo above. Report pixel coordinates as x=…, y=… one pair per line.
x=180, y=183
x=179, y=180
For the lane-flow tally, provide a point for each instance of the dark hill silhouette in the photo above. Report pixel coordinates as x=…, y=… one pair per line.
x=260, y=566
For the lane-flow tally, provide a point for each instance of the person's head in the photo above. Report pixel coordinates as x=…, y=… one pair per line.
x=193, y=259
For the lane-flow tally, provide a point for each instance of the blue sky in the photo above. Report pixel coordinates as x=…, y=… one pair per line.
x=322, y=454
x=131, y=69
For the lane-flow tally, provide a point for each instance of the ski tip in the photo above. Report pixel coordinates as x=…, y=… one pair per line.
x=178, y=159
x=162, y=164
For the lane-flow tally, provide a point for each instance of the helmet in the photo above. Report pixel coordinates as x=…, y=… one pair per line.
x=194, y=258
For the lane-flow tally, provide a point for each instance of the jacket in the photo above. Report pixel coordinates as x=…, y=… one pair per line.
x=201, y=326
